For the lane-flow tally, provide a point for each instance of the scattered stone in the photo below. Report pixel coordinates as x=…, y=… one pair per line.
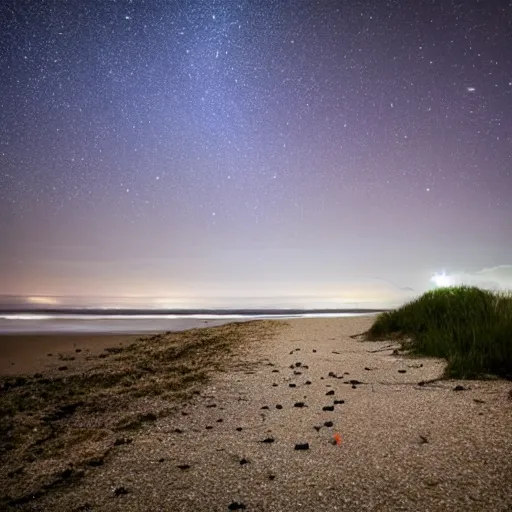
x=292, y=385
x=330, y=392
x=178, y=431
x=402, y=371
x=299, y=404
x=423, y=439
x=314, y=350
x=328, y=424
x=275, y=371
x=274, y=385
x=271, y=477
x=459, y=388
x=62, y=368
x=354, y=382
x=279, y=406
x=331, y=374
x=265, y=407
x=292, y=366
x=184, y=466
x=208, y=427
x=354, y=386
x=118, y=491
x=367, y=369
x=243, y=461
x=297, y=364
x=49, y=354
x=305, y=366
x=268, y=440
x=308, y=382
x=303, y=446
x=78, y=350
x=317, y=428
x=211, y=405
x=236, y=506
x=297, y=349
x=339, y=402
x=161, y=459
x=96, y=462
x=291, y=352
x=478, y=401
x=184, y=413
x=297, y=373
x=220, y=420
x=238, y=429
x=334, y=352
x=328, y=408
x=421, y=383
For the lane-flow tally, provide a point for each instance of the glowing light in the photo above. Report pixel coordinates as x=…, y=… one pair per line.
x=442, y=280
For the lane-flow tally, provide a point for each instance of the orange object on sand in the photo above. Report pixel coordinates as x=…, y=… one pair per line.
x=337, y=438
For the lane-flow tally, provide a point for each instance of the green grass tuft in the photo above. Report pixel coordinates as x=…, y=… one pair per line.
x=469, y=327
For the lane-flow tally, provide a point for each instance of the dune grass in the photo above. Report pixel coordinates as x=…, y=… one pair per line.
x=469, y=327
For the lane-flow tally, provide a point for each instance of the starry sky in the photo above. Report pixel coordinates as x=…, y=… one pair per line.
x=313, y=151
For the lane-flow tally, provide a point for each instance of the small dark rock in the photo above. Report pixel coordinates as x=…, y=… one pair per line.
x=268, y=440
x=330, y=392
x=308, y=382
x=178, y=431
x=303, y=446
x=305, y=366
x=62, y=368
x=220, y=420
x=95, y=462
x=478, y=401
x=49, y=354
x=275, y=371
x=274, y=385
x=297, y=373
x=367, y=369
x=184, y=466
x=459, y=388
x=338, y=402
x=78, y=350
x=328, y=424
x=334, y=352
x=423, y=439
x=208, y=427
x=279, y=406
x=299, y=404
x=161, y=459
x=402, y=371
x=238, y=429
x=265, y=407
x=354, y=382
x=292, y=366
x=236, y=506
x=297, y=364
x=354, y=386
x=331, y=374
x=421, y=383
x=314, y=350
x=292, y=385
x=122, y=440
x=211, y=405
x=271, y=477
x=328, y=408
x=317, y=428
x=243, y=461
x=118, y=491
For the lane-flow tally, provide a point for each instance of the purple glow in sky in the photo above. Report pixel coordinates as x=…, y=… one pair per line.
x=253, y=148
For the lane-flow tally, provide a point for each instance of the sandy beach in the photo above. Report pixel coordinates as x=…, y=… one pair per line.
x=307, y=417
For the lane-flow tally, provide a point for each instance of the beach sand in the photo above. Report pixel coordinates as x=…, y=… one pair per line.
x=31, y=353
x=401, y=445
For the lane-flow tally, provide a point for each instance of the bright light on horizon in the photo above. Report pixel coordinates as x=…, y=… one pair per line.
x=442, y=280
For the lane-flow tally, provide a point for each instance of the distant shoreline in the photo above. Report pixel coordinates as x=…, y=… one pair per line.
x=185, y=312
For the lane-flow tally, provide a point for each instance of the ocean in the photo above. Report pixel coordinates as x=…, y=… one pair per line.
x=45, y=322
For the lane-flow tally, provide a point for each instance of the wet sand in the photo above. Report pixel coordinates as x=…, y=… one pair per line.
x=32, y=353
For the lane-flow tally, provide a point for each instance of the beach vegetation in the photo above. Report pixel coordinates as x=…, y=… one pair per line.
x=469, y=327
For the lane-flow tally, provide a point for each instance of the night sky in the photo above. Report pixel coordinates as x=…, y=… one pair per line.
x=320, y=150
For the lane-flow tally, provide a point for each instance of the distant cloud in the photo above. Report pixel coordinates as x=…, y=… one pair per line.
x=495, y=278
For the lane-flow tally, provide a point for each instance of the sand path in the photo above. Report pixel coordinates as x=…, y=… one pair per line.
x=403, y=446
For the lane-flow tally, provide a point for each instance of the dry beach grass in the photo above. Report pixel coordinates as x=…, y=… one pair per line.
x=162, y=432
